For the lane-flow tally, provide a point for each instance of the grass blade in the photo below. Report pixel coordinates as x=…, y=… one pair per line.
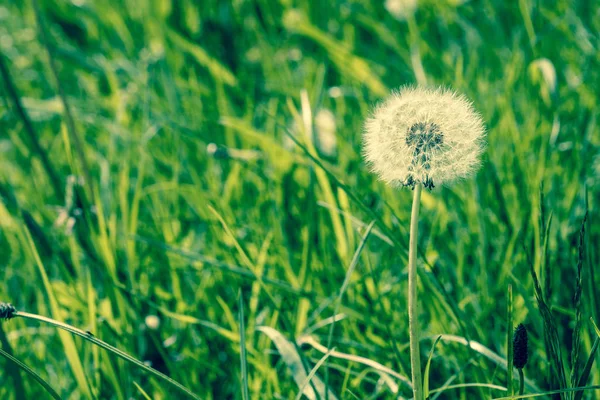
x=466, y=385
x=576, y=343
x=430, y=281
x=550, y=330
x=585, y=374
x=312, y=373
x=31, y=373
x=119, y=353
x=67, y=341
x=489, y=354
x=142, y=391
x=293, y=361
x=12, y=372
x=243, y=361
x=70, y=121
x=29, y=129
x=379, y=368
x=544, y=394
x=351, y=269
x=509, y=339
x=427, y=367
x=216, y=69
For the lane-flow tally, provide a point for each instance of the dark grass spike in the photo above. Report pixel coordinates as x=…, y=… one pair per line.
x=7, y=311
x=520, y=351
x=576, y=343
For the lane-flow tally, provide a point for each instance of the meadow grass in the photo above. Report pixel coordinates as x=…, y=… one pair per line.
x=169, y=158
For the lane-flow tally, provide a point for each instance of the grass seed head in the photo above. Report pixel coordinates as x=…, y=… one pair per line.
x=520, y=347
x=423, y=135
x=7, y=311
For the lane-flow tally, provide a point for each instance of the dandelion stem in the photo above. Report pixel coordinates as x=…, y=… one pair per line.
x=413, y=320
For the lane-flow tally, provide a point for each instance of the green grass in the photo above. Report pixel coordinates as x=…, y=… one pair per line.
x=113, y=206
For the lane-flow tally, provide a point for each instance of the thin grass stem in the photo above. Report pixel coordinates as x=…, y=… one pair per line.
x=521, y=381
x=119, y=353
x=509, y=344
x=12, y=372
x=31, y=373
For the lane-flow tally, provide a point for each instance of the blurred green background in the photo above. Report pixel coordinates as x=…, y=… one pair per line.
x=160, y=158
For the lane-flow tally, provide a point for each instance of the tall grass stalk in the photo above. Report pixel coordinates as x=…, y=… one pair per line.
x=119, y=353
x=20, y=393
x=509, y=347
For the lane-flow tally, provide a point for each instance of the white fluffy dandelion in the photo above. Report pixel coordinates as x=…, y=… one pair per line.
x=420, y=137
x=423, y=136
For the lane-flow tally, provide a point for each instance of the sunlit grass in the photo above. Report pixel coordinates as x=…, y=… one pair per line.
x=257, y=253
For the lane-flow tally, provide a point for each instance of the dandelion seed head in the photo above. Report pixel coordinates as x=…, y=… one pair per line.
x=401, y=9
x=423, y=135
x=325, y=127
x=152, y=322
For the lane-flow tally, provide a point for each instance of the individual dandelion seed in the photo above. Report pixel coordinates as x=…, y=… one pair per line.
x=7, y=311
x=520, y=353
x=431, y=136
x=422, y=137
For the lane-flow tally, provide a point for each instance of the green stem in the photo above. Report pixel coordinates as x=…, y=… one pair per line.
x=32, y=373
x=413, y=306
x=509, y=339
x=521, y=381
x=119, y=353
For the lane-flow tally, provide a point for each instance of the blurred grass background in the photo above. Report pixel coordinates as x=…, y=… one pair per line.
x=145, y=157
